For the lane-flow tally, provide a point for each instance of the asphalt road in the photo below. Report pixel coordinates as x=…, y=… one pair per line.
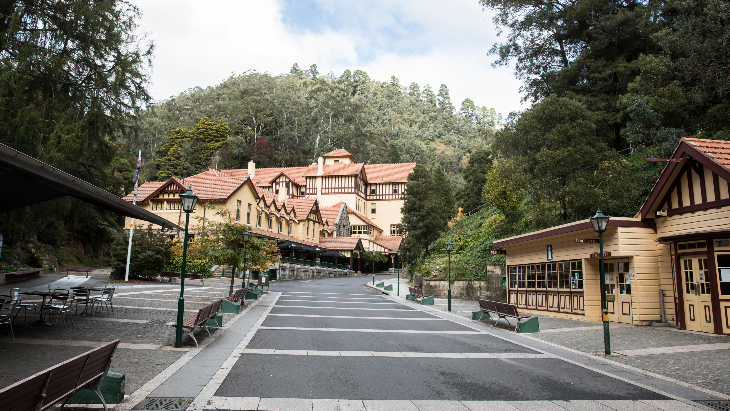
x=344, y=341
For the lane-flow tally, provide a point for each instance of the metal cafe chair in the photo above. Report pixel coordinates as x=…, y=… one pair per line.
x=106, y=299
x=6, y=317
x=60, y=305
x=19, y=305
x=82, y=296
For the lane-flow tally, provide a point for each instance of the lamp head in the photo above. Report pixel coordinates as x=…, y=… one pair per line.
x=246, y=235
x=449, y=246
x=600, y=221
x=188, y=200
x=399, y=252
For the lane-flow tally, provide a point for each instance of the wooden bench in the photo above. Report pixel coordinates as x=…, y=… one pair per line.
x=417, y=281
x=16, y=276
x=188, y=276
x=416, y=293
x=43, y=390
x=238, y=295
x=200, y=319
x=506, y=311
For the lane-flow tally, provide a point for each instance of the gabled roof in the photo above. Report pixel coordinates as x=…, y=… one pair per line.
x=388, y=173
x=341, y=243
x=302, y=206
x=360, y=216
x=213, y=184
x=329, y=216
x=144, y=191
x=713, y=154
x=264, y=176
x=391, y=242
x=172, y=182
x=340, y=153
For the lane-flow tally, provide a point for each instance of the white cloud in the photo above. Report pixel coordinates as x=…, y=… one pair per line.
x=201, y=44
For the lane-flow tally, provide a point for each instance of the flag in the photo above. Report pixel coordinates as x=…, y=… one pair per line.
x=139, y=165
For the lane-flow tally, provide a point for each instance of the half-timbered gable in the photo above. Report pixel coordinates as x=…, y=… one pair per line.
x=165, y=197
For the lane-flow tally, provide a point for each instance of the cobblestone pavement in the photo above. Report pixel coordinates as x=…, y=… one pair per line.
x=660, y=350
x=141, y=320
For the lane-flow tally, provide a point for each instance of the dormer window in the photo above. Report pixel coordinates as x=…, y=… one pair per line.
x=395, y=188
x=373, y=190
x=337, y=161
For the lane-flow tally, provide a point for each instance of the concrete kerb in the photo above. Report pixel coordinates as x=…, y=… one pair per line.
x=142, y=393
x=581, y=359
x=391, y=282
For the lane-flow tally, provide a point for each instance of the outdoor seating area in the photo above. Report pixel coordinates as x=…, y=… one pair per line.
x=312, y=256
x=54, y=306
x=415, y=292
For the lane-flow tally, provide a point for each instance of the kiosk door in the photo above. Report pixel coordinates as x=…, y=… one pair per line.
x=618, y=291
x=697, y=297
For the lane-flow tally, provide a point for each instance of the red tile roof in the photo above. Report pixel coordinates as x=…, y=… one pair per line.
x=338, y=153
x=144, y=191
x=391, y=242
x=388, y=173
x=279, y=236
x=329, y=215
x=264, y=176
x=351, y=211
x=213, y=184
x=340, y=243
x=301, y=206
x=716, y=150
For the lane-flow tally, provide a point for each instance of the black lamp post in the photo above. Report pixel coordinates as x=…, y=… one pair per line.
x=373, y=267
x=600, y=222
x=246, y=235
x=449, y=246
x=397, y=265
x=187, y=201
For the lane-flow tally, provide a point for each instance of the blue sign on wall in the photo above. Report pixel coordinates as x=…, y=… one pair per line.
x=550, y=253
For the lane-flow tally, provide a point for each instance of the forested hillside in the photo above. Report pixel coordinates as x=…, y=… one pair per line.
x=291, y=119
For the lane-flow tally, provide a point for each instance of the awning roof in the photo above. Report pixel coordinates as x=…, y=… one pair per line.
x=31, y=181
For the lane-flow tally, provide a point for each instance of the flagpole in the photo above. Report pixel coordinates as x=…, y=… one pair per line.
x=131, y=229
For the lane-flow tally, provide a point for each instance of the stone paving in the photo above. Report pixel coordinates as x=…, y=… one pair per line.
x=660, y=346
x=141, y=318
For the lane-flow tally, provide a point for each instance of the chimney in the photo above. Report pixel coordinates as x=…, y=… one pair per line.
x=320, y=166
x=251, y=169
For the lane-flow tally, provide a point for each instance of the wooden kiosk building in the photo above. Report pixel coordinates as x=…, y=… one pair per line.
x=671, y=262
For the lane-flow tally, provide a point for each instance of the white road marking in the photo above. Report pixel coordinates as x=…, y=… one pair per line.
x=369, y=330
x=563, y=330
x=348, y=308
x=404, y=354
x=355, y=317
x=337, y=302
x=253, y=403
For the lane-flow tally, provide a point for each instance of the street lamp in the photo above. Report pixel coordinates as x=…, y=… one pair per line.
x=600, y=222
x=397, y=265
x=187, y=201
x=449, y=246
x=246, y=235
x=373, y=267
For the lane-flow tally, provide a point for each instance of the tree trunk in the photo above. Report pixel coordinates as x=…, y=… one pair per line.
x=233, y=279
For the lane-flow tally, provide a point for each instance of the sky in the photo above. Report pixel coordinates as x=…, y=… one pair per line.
x=200, y=44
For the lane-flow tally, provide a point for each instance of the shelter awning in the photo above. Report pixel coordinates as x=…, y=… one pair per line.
x=31, y=181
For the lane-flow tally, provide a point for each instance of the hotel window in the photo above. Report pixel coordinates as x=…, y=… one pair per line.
x=238, y=210
x=394, y=229
x=271, y=222
x=280, y=225
x=248, y=215
x=258, y=219
x=359, y=229
x=372, y=208
x=373, y=190
x=395, y=188
x=307, y=228
x=303, y=190
x=337, y=161
x=289, y=229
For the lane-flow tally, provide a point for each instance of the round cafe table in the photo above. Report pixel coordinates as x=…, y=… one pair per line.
x=44, y=294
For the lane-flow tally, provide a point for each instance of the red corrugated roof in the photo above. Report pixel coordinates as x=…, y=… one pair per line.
x=716, y=150
x=388, y=173
x=391, y=242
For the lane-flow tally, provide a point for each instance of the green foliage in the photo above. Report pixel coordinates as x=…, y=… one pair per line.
x=188, y=152
x=504, y=186
x=196, y=262
x=368, y=256
x=300, y=117
x=427, y=209
x=151, y=250
x=223, y=243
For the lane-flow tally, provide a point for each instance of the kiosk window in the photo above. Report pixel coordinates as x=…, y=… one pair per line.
x=723, y=271
x=576, y=275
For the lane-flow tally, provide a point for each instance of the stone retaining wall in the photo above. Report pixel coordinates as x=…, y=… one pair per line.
x=490, y=289
x=305, y=272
